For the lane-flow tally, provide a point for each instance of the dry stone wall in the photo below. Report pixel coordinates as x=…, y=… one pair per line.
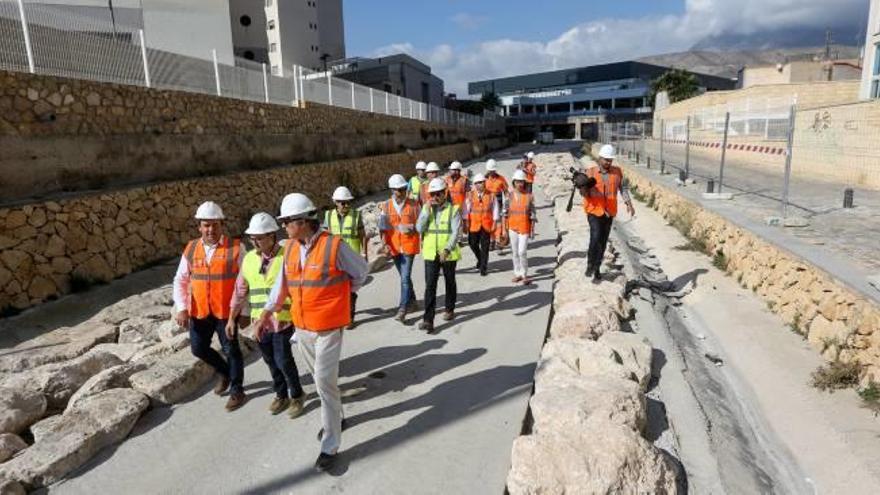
x=837, y=322
x=47, y=248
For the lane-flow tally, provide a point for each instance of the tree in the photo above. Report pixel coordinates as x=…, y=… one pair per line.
x=679, y=84
x=490, y=101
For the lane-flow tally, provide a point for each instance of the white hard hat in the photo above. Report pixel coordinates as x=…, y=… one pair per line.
x=421, y=165
x=519, y=175
x=262, y=223
x=432, y=167
x=530, y=155
x=297, y=205
x=437, y=184
x=455, y=166
x=607, y=151
x=478, y=178
x=209, y=210
x=491, y=166
x=396, y=181
x=342, y=193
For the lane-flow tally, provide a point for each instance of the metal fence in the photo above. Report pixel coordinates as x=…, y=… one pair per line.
x=49, y=39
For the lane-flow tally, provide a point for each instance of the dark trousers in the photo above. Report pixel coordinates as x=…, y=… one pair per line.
x=201, y=332
x=432, y=276
x=354, y=300
x=600, y=229
x=479, y=243
x=275, y=348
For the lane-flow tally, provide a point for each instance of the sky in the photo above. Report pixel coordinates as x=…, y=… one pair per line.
x=471, y=40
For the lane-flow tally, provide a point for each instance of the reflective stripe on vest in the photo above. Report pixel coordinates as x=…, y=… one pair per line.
x=602, y=198
x=399, y=240
x=518, y=213
x=348, y=230
x=320, y=293
x=480, y=215
x=437, y=235
x=212, y=283
x=260, y=285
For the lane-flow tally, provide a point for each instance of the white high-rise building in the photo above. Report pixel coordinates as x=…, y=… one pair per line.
x=871, y=63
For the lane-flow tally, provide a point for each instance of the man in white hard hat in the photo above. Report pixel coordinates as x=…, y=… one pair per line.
x=531, y=170
x=520, y=216
x=432, y=171
x=320, y=274
x=439, y=224
x=203, y=288
x=260, y=268
x=480, y=216
x=600, y=205
x=497, y=185
x=416, y=181
x=397, y=223
x=346, y=222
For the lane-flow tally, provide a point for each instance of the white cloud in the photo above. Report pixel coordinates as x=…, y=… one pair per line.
x=609, y=40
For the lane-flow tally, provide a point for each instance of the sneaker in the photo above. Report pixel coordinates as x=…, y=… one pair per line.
x=278, y=405
x=297, y=405
x=236, y=400
x=325, y=462
x=221, y=386
x=400, y=316
x=448, y=315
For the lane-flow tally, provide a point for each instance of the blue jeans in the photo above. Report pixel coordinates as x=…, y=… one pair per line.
x=275, y=348
x=404, y=265
x=201, y=332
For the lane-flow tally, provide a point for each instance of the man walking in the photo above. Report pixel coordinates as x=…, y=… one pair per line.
x=432, y=171
x=260, y=268
x=203, y=288
x=600, y=205
x=456, y=185
x=497, y=185
x=346, y=222
x=439, y=224
x=320, y=274
x=521, y=218
x=531, y=170
x=480, y=215
x=397, y=223
x=416, y=181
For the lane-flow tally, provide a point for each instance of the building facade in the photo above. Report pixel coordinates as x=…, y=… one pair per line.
x=800, y=71
x=399, y=74
x=871, y=63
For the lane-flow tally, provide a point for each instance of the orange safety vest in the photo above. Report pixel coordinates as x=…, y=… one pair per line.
x=320, y=293
x=518, y=218
x=531, y=170
x=602, y=198
x=399, y=241
x=456, y=190
x=424, y=195
x=480, y=215
x=212, y=283
x=497, y=184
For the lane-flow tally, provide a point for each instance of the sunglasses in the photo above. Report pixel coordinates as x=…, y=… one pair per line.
x=343, y=203
x=402, y=189
x=437, y=194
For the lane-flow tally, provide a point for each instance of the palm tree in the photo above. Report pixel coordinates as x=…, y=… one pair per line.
x=679, y=84
x=490, y=101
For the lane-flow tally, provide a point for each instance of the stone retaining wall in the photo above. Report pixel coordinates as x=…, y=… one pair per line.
x=839, y=323
x=48, y=248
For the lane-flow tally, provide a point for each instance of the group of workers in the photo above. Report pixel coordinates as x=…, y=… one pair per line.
x=303, y=291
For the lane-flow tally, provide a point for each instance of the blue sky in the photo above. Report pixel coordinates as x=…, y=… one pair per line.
x=473, y=40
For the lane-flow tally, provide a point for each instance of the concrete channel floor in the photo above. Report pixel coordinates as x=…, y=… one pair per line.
x=439, y=413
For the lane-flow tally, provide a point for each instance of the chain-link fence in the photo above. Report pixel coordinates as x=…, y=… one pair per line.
x=55, y=40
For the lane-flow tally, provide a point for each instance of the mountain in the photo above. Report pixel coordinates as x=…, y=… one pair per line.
x=795, y=37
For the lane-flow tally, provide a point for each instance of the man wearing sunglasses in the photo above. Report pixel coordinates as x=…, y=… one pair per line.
x=439, y=224
x=260, y=268
x=397, y=223
x=320, y=274
x=346, y=222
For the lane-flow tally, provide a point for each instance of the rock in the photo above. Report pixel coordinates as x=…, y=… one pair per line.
x=40, y=428
x=59, y=381
x=58, y=345
x=125, y=352
x=636, y=352
x=20, y=408
x=604, y=457
x=168, y=330
x=10, y=444
x=578, y=357
x=138, y=330
x=115, y=377
x=9, y=487
x=136, y=304
x=577, y=320
x=569, y=401
x=172, y=378
x=97, y=422
x=823, y=333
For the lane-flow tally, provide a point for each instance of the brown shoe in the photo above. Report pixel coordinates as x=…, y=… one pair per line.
x=278, y=405
x=526, y=281
x=400, y=316
x=516, y=280
x=296, y=406
x=426, y=325
x=221, y=386
x=236, y=400
x=448, y=315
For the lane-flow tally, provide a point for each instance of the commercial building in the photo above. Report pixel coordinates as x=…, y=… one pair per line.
x=396, y=74
x=572, y=102
x=871, y=66
x=799, y=71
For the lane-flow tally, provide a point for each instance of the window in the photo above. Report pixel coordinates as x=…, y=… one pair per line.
x=273, y=47
x=271, y=24
x=245, y=20
x=249, y=55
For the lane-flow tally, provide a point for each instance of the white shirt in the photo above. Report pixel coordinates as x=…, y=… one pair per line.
x=182, y=294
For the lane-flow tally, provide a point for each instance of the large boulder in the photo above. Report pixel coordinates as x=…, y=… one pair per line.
x=9, y=487
x=635, y=351
x=154, y=352
x=569, y=401
x=139, y=330
x=44, y=426
x=10, y=444
x=155, y=304
x=169, y=329
x=566, y=357
x=603, y=457
x=58, y=345
x=20, y=408
x=125, y=352
x=115, y=377
x=59, y=381
x=97, y=422
x=581, y=321
x=172, y=378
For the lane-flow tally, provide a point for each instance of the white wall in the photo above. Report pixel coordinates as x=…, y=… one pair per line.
x=872, y=38
x=189, y=27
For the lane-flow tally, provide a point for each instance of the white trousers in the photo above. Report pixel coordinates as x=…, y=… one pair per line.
x=321, y=351
x=519, y=244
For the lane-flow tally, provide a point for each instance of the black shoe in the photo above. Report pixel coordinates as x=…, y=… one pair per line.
x=591, y=270
x=483, y=273
x=321, y=431
x=325, y=462
x=597, y=278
